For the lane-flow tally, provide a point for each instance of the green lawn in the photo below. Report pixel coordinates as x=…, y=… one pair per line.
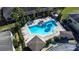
x=17, y=49
x=69, y=10
x=5, y=27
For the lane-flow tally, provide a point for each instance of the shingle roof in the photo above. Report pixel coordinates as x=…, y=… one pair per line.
x=67, y=34
x=63, y=47
x=75, y=17
x=5, y=41
x=31, y=10
x=36, y=44
x=6, y=11
x=28, y=8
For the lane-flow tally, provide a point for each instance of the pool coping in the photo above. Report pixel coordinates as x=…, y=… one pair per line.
x=40, y=34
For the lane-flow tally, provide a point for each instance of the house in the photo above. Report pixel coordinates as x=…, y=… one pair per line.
x=6, y=12
x=0, y=13
x=73, y=22
x=2, y=22
x=35, y=43
x=6, y=41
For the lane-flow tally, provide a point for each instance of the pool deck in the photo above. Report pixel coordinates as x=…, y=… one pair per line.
x=35, y=22
x=27, y=34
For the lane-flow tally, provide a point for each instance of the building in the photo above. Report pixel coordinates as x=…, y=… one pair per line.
x=63, y=47
x=35, y=43
x=6, y=41
x=73, y=22
x=34, y=10
x=67, y=34
x=0, y=13
x=6, y=12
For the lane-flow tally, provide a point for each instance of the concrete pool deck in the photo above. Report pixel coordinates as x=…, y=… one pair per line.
x=27, y=34
x=35, y=22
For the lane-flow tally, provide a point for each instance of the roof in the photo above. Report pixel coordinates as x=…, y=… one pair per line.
x=33, y=10
x=36, y=44
x=67, y=34
x=63, y=47
x=6, y=11
x=5, y=41
x=28, y=8
x=0, y=10
x=75, y=17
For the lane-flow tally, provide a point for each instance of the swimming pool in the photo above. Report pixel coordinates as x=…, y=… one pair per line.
x=44, y=29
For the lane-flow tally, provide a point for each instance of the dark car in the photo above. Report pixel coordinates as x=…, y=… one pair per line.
x=11, y=20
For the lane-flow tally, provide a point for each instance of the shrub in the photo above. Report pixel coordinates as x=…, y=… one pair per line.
x=56, y=39
x=15, y=43
x=48, y=42
x=71, y=39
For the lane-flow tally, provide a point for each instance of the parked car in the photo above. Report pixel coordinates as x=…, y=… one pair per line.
x=11, y=20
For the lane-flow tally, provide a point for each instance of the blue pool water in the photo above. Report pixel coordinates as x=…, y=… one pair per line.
x=44, y=29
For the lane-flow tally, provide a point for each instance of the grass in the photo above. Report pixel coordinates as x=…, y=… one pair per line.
x=5, y=27
x=18, y=49
x=69, y=10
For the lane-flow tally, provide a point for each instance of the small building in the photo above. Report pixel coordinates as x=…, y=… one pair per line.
x=35, y=43
x=67, y=34
x=6, y=43
x=62, y=47
x=73, y=22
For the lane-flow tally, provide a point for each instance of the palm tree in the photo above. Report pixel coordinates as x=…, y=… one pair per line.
x=18, y=14
x=28, y=17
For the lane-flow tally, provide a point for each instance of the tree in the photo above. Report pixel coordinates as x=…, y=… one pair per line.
x=18, y=14
x=48, y=42
x=59, y=17
x=56, y=39
x=15, y=43
x=71, y=39
x=21, y=39
x=19, y=11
